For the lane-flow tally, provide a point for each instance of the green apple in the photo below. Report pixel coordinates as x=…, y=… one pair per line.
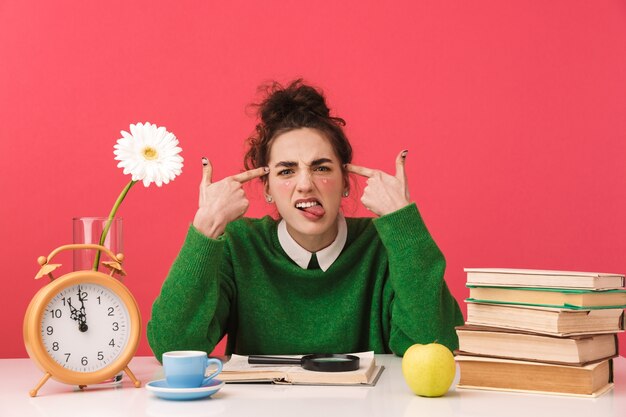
x=428, y=369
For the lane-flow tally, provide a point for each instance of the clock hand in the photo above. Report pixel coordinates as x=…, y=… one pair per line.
x=82, y=315
x=78, y=316
x=73, y=311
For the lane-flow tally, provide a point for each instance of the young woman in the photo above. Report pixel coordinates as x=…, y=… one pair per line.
x=311, y=281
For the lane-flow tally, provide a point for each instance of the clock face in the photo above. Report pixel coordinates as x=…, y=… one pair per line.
x=85, y=327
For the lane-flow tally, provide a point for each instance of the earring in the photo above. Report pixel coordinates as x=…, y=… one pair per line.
x=268, y=198
x=346, y=193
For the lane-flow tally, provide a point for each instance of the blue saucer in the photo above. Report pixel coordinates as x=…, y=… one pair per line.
x=162, y=390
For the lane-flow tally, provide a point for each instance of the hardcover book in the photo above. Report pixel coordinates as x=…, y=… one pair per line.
x=546, y=320
x=549, y=297
x=543, y=278
x=511, y=344
x=511, y=375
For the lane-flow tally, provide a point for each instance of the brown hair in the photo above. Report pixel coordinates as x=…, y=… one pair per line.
x=293, y=107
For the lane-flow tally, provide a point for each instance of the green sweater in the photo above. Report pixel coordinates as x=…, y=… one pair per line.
x=385, y=292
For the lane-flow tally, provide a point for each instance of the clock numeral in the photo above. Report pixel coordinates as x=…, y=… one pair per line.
x=55, y=346
x=49, y=330
x=56, y=314
x=98, y=298
x=100, y=355
x=83, y=295
x=84, y=361
x=111, y=310
x=69, y=300
x=116, y=326
x=112, y=343
x=68, y=357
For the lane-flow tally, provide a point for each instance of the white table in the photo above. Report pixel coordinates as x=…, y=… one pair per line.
x=390, y=397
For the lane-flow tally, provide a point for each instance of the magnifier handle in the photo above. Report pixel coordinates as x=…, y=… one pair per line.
x=273, y=360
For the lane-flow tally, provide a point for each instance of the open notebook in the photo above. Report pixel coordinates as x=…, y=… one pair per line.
x=237, y=369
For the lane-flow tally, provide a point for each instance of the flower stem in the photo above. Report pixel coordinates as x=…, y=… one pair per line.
x=104, y=233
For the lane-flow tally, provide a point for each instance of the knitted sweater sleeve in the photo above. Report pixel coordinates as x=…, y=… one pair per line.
x=422, y=308
x=191, y=312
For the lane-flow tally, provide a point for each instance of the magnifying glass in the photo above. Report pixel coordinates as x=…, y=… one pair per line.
x=327, y=362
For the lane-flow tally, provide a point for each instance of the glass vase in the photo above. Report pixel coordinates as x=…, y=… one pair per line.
x=89, y=230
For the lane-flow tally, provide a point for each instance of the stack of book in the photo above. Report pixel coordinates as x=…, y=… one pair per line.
x=541, y=331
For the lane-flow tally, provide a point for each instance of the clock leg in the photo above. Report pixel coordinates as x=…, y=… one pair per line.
x=33, y=392
x=132, y=377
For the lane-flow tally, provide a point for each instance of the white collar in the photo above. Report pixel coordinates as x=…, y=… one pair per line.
x=302, y=257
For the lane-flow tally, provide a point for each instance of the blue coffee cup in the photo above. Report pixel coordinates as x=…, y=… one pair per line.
x=187, y=368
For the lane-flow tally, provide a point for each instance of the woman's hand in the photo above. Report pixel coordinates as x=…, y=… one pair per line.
x=223, y=201
x=384, y=193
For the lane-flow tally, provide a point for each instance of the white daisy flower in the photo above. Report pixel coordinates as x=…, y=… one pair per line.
x=149, y=153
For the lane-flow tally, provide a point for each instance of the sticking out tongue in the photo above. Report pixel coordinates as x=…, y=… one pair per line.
x=315, y=210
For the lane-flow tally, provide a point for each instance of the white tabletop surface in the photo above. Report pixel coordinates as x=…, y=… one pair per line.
x=390, y=397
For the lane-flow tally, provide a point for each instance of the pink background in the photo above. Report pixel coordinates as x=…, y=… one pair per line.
x=513, y=113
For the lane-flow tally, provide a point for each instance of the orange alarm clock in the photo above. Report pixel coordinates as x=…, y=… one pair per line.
x=83, y=327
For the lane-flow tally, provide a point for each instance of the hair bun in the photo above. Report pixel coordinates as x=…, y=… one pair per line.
x=296, y=99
